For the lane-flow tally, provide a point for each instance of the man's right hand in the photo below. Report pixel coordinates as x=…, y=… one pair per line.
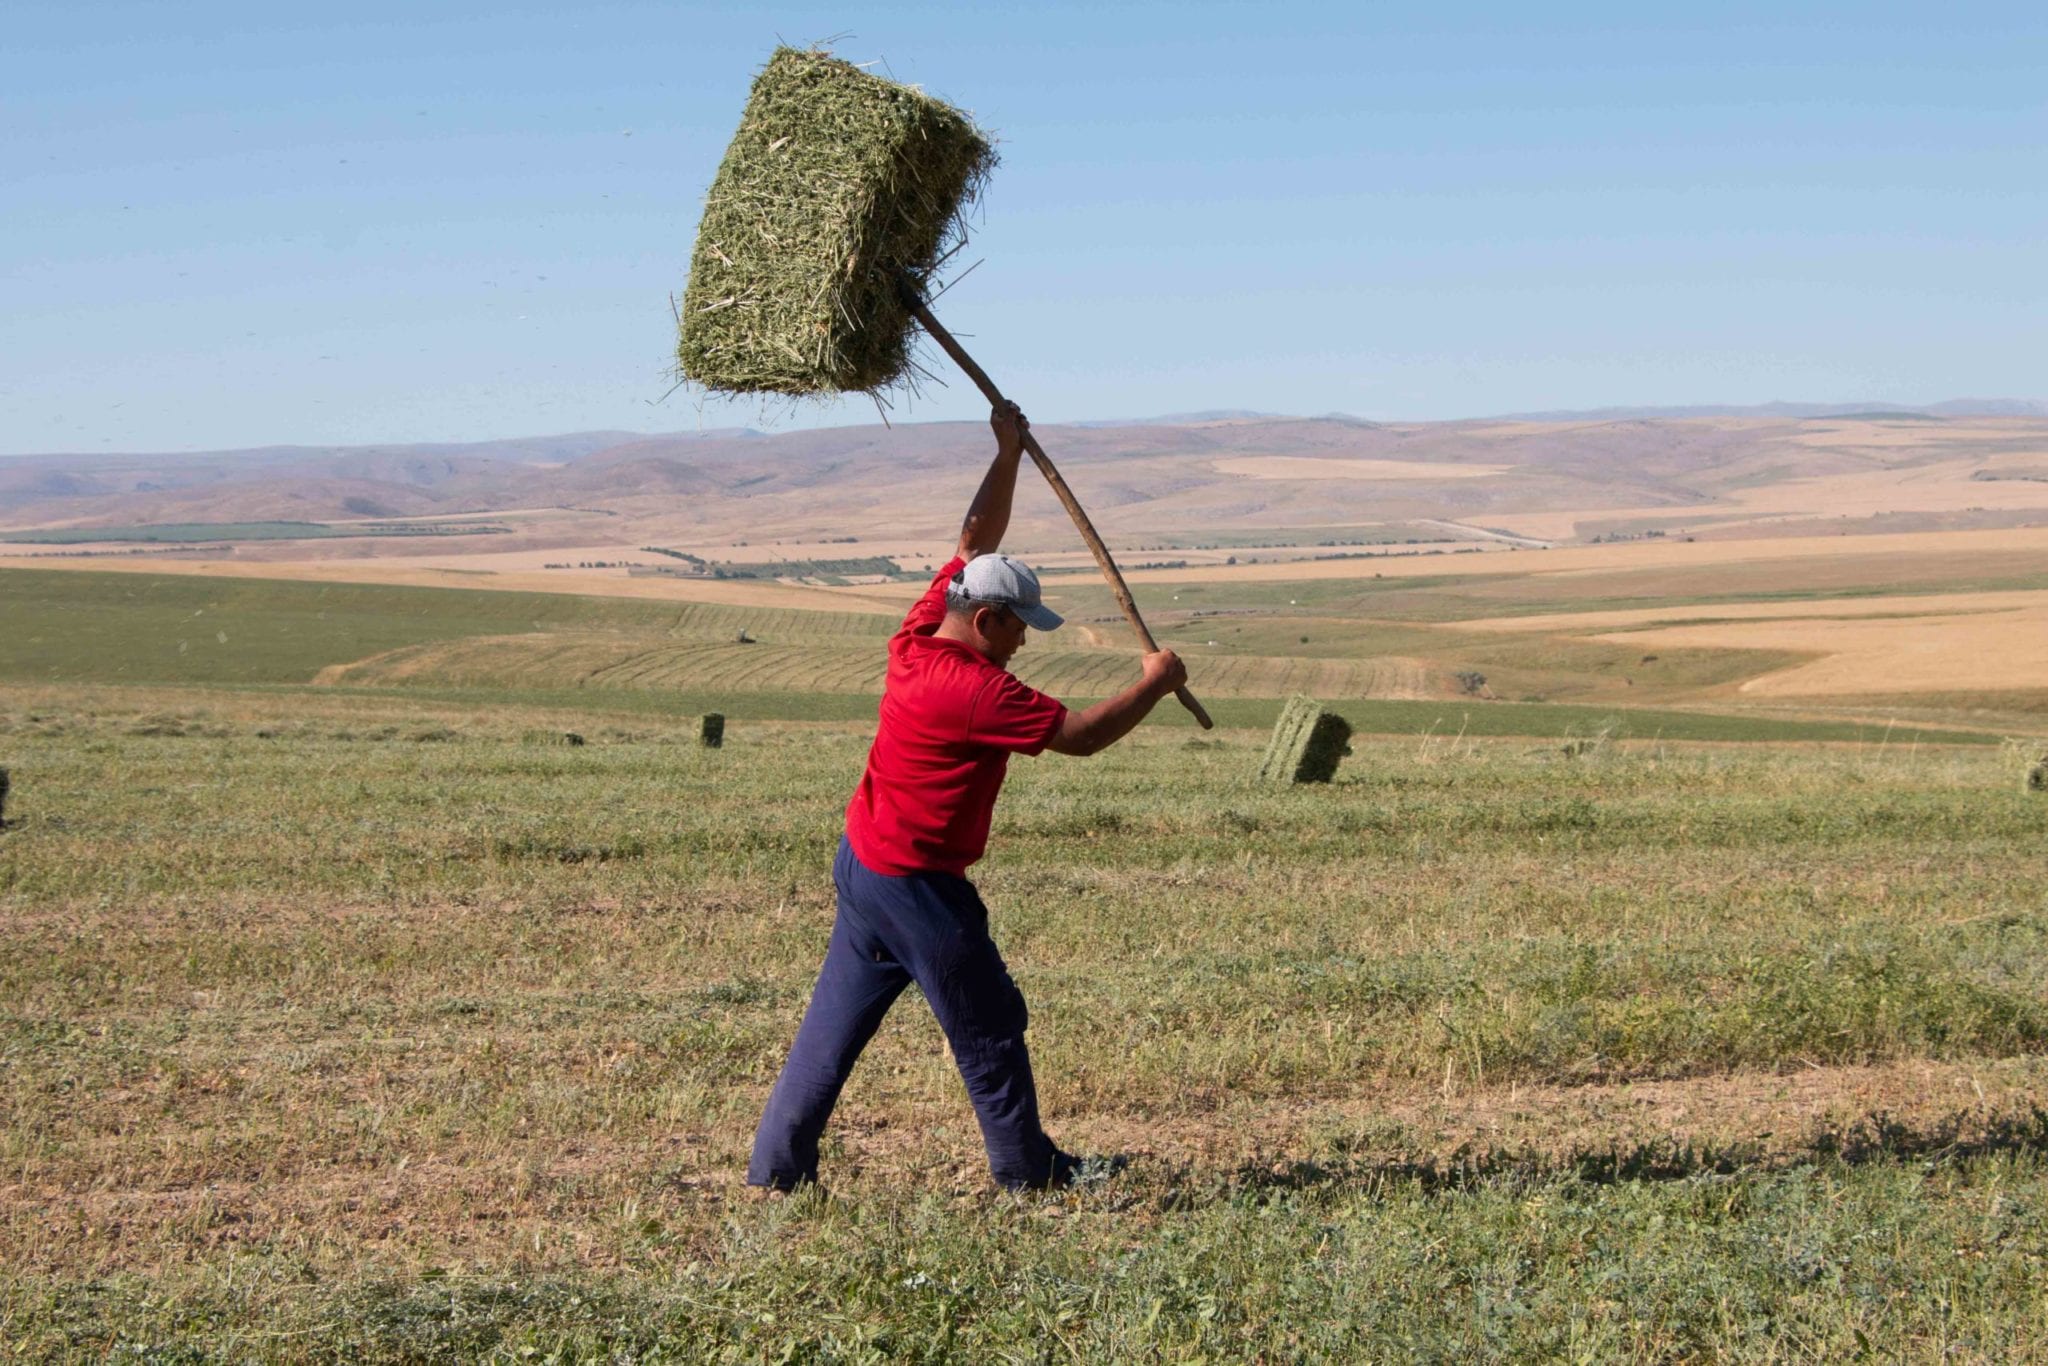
x=1110, y=720
x=1164, y=673
x=1009, y=424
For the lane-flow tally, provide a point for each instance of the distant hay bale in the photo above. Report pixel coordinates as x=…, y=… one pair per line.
x=2037, y=777
x=835, y=180
x=3, y=798
x=711, y=730
x=1308, y=742
x=1577, y=746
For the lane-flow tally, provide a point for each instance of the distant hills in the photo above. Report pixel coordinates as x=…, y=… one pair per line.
x=1867, y=409
x=1871, y=410
x=1217, y=477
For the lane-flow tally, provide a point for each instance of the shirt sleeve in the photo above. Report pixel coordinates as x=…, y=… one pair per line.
x=1009, y=715
x=931, y=608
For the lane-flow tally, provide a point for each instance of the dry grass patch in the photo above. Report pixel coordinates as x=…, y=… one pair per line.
x=1990, y=648
x=1312, y=467
x=1914, y=606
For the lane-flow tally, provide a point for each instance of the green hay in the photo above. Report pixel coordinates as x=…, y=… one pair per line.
x=1308, y=742
x=835, y=179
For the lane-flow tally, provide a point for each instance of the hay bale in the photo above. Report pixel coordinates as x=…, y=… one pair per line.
x=711, y=730
x=834, y=181
x=3, y=798
x=2037, y=777
x=1308, y=741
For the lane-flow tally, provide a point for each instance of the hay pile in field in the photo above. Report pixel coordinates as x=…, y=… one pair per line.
x=711, y=730
x=835, y=179
x=1308, y=742
x=2037, y=777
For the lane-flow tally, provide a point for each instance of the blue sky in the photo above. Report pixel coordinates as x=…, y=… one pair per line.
x=239, y=224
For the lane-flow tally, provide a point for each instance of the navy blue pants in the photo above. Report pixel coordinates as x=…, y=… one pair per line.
x=928, y=928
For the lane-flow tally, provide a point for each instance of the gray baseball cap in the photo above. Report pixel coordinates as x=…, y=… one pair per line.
x=1000, y=579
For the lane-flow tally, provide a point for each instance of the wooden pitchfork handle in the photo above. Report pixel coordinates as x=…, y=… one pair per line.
x=915, y=302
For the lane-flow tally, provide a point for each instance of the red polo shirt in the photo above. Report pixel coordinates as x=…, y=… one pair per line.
x=950, y=721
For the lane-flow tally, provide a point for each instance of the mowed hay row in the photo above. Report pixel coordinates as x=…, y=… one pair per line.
x=759, y=667
x=721, y=621
x=550, y=661
x=543, y=659
x=838, y=665
x=1275, y=676
x=728, y=666
x=1100, y=672
x=835, y=180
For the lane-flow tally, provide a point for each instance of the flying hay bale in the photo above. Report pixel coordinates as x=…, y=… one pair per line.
x=711, y=730
x=835, y=180
x=1308, y=741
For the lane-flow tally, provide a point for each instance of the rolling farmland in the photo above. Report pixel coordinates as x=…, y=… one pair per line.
x=352, y=1009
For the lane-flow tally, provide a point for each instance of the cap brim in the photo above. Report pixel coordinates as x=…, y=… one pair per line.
x=1039, y=618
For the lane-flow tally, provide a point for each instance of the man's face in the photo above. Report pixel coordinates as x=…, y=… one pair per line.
x=1004, y=632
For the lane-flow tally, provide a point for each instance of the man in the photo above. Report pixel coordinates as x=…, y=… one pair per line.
x=951, y=716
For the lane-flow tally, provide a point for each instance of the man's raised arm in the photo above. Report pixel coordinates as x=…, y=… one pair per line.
x=988, y=516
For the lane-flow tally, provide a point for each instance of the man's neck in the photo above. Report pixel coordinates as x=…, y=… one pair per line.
x=963, y=634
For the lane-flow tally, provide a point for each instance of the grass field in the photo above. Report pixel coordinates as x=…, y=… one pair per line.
x=379, y=1022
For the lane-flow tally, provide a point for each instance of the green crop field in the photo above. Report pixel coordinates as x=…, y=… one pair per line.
x=372, y=1019
x=66, y=626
